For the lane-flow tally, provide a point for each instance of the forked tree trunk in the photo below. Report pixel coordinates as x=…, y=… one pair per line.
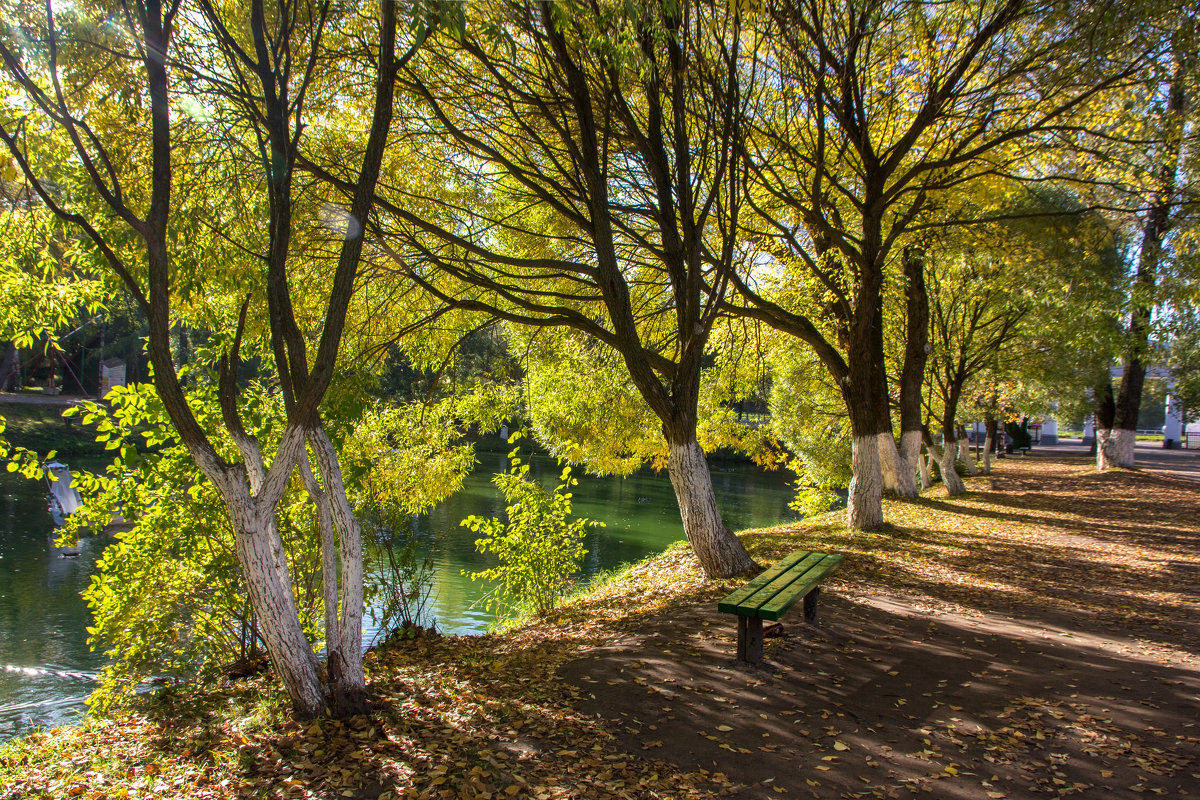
x=259, y=549
x=719, y=551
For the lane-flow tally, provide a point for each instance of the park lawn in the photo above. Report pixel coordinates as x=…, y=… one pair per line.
x=589, y=703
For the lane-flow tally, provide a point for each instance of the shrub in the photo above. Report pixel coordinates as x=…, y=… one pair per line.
x=539, y=548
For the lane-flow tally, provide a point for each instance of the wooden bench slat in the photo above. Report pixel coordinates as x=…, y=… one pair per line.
x=733, y=600
x=778, y=605
x=771, y=588
x=794, y=577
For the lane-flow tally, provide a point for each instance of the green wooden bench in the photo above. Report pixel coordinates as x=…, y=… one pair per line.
x=771, y=594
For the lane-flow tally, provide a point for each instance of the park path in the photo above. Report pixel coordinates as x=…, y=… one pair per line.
x=1035, y=638
x=64, y=400
x=1148, y=456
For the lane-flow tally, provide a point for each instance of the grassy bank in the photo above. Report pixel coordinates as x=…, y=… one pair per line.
x=42, y=428
x=937, y=670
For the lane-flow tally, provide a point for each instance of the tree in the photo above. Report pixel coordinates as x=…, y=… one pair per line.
x=589, y=154
x=118, y=175
x=996, y=322
x=1185, y=364
x=1171, y=97
x=868, y=115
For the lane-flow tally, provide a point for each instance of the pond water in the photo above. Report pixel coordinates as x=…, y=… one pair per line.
x=45, y=661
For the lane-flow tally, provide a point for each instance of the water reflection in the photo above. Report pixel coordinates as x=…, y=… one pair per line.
x=639, y=512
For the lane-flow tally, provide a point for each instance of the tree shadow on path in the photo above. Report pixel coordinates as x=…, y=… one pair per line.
x=1034, y=638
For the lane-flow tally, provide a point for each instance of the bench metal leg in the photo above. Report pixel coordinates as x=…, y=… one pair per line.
x=810, y=605
x=750, y=640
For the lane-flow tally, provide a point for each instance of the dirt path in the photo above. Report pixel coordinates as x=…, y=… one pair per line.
x=1041, y=642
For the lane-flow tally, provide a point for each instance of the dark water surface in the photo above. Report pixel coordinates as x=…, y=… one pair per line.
x=44, y=657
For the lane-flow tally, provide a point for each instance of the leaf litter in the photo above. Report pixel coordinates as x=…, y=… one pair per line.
x=1031, y=638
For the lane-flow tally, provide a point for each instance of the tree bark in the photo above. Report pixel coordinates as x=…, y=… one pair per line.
x=910, y=453
x=950, y=477
x=1106, y=412
x=347, y=682
x=259, y=549
x=891, y=470
x=964, y=451
x=912, y=373
x=924, y=464
x=864, y=505
x=719, y=551
x=989, y=444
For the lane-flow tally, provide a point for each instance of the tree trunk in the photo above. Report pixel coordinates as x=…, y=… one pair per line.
x=1115, y=448
x=912, y=372
x=889, y=462
x=964, y=452
x=910, y=456
x=8, y=367
x=950, y=477
x=864, y=507
x=329, y=573
x=865, y=394
x=989, y=444
x=719, y=551
x=924, y=465
x=1106, y=412
x=260, y=552
x=898, y=471
x=347, y=682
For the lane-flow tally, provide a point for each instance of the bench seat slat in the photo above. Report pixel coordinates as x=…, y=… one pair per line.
x=773, y=586
x=734, y=600
x=777, y=606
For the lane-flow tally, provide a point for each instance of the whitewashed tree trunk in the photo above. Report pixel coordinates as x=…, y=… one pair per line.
x=964, y=455
x=1115, y=448
x=259, y=549
x=897, y=471
x=989, y=444
x=1102, y=455
x=889, y=468
x=347, y=682
x=925, y=464
x=864, y=508
x=950, y=477
x=719, y=551
x=910, y=457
